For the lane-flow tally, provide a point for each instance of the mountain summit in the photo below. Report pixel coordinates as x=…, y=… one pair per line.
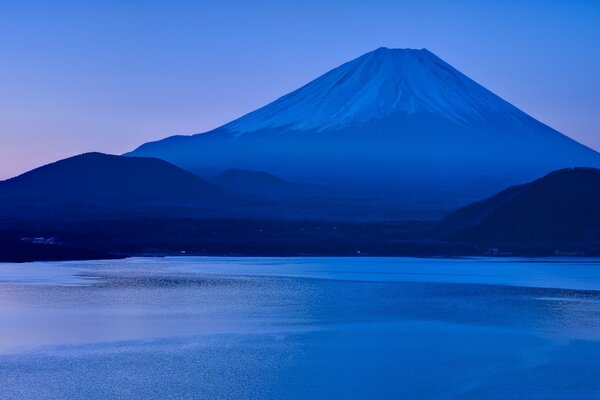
x=391, y=118
x=379, y=84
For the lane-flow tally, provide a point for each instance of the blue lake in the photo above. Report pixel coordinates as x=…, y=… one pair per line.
x=301, y=328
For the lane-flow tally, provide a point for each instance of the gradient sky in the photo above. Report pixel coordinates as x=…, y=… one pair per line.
x=109, y=75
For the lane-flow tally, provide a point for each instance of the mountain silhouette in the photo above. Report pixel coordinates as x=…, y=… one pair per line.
x=245, y=180
x=392, y=118
x=93, y=182
x=559, y=208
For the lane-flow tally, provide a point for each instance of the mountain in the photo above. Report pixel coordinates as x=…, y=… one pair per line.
x=93, y=182
x=248, y=181
x=95, y=186
x=562, y=207
x=392, y=119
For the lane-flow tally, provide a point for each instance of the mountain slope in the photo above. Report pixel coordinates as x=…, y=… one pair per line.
x=240, y=179
x=561, y=207
x=109, y=182
x=391, y=118
x=376, y=85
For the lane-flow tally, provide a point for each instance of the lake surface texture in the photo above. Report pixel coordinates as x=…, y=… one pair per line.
x=300, y=328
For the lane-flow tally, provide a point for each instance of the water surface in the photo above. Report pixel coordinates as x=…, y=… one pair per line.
x=298, y=328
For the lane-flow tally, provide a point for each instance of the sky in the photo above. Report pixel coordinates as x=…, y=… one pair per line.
x=109, y=75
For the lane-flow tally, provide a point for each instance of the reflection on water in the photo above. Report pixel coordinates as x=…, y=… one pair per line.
x=300, y=328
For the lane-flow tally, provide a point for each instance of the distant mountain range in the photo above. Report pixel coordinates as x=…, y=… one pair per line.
x=96, y=205
x=96, y=185
x=243, y=180
x=398, y=120
x=375, y=157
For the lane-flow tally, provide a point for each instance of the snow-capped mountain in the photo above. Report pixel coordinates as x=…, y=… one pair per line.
x=393, y=118
x=377, y=85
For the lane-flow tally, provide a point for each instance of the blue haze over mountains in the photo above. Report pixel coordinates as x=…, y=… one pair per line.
x=391, y=120
x=393, y=153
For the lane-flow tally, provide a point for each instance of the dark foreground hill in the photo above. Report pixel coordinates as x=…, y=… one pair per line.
x=115, y=215
x=94, y=183
x=562, y=209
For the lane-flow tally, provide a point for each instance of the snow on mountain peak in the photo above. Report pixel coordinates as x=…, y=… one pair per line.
x=378, y=84
x=395, y=117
